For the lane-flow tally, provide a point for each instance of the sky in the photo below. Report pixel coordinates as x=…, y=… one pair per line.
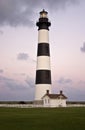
x=18, y=47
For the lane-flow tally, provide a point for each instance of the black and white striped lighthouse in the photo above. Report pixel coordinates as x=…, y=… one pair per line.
x=43, y=70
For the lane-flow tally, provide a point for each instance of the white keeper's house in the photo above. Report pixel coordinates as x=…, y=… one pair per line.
x=54, y=100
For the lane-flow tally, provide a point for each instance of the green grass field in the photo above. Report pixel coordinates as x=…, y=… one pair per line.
x=42, y=118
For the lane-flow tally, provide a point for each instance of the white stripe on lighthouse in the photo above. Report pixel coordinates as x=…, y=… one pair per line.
x=41, y=90
x=43, y=36
x=43, y=63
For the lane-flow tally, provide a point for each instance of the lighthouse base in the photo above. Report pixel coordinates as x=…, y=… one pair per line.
x=40, y=91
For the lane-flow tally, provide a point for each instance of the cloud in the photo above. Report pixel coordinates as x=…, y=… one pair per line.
x=19, y=74
x=1, y=70
x=63, y=80
x=73, y=90
x=11, y=83
x=1, y=32
x=22, y=12
x=81, y=83
x=11, y=89
x=22, y=74
x=22, y=56
x=30, y=81
x=13, y=12
x=83, y=48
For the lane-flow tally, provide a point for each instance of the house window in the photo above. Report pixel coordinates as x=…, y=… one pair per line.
x=45, y=101
x=48, y=101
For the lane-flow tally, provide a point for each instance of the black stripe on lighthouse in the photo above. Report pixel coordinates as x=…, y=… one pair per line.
x=43, y=77
x=43, y=49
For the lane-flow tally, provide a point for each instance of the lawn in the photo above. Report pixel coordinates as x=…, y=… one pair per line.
x=42, y=118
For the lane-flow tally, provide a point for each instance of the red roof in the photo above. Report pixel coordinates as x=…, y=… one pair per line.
x=58, y=96
x=55, y=96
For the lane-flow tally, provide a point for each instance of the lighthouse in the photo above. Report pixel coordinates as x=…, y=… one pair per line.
x=43, y=69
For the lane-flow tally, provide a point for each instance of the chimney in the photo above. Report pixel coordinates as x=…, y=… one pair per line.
x=47, y=91
x=61, y=92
